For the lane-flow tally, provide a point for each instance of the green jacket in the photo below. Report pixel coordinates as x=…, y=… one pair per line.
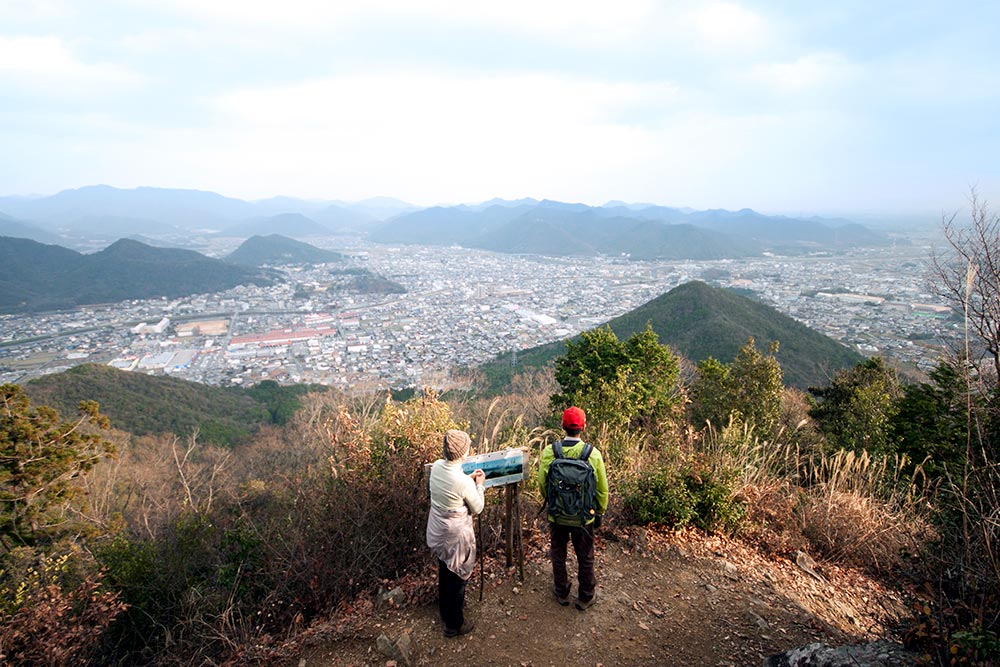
x=572, y=448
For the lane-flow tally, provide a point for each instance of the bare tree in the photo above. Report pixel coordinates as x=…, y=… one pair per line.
x=968, y=275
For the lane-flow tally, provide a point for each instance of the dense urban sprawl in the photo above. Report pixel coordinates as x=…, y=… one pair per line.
x=462, y=307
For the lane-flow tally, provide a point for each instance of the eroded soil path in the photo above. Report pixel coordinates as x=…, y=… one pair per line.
x=664, y=598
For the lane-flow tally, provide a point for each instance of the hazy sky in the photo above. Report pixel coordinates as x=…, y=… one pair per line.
x=794, y=106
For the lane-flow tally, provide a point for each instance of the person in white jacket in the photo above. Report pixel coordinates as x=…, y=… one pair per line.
x=455, y=498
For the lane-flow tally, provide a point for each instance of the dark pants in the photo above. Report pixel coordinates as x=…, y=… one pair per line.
x=583, y=545
x=451, y=597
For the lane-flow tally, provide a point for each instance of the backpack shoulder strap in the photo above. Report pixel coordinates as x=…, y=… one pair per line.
x=557, y=449
x=587, y=449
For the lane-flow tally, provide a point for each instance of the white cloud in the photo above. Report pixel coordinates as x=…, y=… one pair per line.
x=827, y=70
x=162, y=39
x=558, y=15
x=579, y=23
x=417, y=99
x=727, y=27
x=48, y=62
x=33, y=10
x=575, y=21
x=938, y=80
x=427, y=137
x=306, y=13
x=430, y=139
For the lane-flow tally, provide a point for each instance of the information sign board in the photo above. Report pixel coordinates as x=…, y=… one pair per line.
x=504, y=467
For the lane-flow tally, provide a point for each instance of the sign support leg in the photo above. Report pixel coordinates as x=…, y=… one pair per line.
x=482, y=575
x=508, y=521
x=520, y=531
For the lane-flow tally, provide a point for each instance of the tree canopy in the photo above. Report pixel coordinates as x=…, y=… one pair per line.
x=630, y=382
x=749, y=389
x=857, y=409
x=40, y=457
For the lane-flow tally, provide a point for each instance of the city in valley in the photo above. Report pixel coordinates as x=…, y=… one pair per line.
x=463, y=307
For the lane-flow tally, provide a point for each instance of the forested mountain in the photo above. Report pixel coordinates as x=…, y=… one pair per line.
x=366, y=282
x=560, y=232
x=19, y=229
x=788, y=234
x=35, y=276
x=380, y=208
x=642, y=232
x=275, y=250
x=339, y=218
x=144, y=404
x=699, y=321
x=445, y=225
x=550, y=228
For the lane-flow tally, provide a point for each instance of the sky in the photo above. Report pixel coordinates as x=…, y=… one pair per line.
x=785, y=107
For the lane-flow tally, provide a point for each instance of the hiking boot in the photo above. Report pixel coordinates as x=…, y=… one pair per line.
x=464, y=630
x=583, y=605
x=561, y=599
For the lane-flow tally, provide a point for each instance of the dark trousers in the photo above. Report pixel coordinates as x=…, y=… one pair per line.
x=451, y=597
x=583, y=545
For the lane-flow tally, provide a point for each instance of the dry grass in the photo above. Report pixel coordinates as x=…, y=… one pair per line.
x=847, y=507
x=863, y=511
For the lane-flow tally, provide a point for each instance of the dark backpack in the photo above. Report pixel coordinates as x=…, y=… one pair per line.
x=572, y=487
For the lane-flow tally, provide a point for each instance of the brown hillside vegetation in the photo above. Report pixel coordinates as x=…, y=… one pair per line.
x=664, y=598
x=273, y=551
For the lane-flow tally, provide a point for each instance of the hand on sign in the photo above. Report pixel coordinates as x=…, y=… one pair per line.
x=478, y=476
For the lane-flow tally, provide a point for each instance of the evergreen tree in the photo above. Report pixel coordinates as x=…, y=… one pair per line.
x=749, y=389
x=632, y=382
x=856, y=411
x=933, y=422
x=40, y=458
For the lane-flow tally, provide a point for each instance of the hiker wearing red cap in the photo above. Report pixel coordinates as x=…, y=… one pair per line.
x=574, y=482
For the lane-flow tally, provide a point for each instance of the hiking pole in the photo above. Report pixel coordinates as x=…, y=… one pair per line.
x=482, y=576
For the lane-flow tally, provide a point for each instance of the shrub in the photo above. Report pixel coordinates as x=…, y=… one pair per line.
x=692, y=493
x=45, y=596
x=171, y=584
x=658, y=497
x=717, y=509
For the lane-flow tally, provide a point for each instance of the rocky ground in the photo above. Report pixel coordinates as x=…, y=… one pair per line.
x=664, y=598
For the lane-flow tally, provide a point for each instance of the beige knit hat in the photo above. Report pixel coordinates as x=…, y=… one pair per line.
x=456, y=444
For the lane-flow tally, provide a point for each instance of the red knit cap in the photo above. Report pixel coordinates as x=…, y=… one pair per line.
x=574, y=417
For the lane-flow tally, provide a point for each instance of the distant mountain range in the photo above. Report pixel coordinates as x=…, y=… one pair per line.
x=15, y=228
x=286, y=224
x=35, y=276
x=277, y=250
x=699, y=321
x=104, y=212
x=640, y=231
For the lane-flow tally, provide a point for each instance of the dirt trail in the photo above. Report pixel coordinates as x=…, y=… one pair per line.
x=663, y=599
